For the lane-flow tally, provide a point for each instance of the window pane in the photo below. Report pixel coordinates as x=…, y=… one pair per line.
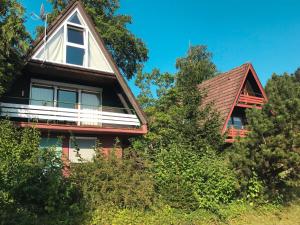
x=238, y=122
x=75, y=55
x=42, y=96
x=75, y=36
x=67, y=99
x=75, y=19
x=86, y=149
x=56, y=143
x=90, y=100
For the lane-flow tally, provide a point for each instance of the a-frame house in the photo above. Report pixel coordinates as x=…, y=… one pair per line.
x=231, y=93
x=71, y=87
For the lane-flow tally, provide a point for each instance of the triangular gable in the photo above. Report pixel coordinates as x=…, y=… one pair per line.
x=68, y=13
x=223, y=91
x=72, y=43
x=249, y=72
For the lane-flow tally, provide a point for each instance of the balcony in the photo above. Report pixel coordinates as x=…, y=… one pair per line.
x=79, y=115
x=248, y=101
x=233, y=133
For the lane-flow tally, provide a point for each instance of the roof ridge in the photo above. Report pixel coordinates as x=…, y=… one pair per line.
x=221, y=75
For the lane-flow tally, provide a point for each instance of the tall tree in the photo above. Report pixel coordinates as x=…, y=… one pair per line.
x=128, y=51
x=272, y=150
x=176, y=116
x=14, y=41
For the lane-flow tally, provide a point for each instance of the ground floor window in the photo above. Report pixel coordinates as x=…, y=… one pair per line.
x=82, y=148
x=56, y=143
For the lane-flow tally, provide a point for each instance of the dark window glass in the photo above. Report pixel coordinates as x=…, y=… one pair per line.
x=67, y=99
x=75, y=55
x=75, y=36
x=42, y=96
x=90, y=100
x=75, y=19
x=238, y=123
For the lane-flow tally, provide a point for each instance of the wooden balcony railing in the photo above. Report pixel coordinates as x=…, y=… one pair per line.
x=79, y=117
x=233, y=133
x=248, y=101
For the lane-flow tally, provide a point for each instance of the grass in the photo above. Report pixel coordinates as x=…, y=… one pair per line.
x=236, y=214
x=288, y=215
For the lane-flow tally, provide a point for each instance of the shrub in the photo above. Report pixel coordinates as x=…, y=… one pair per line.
x=31, y=183
x=187, y=181
x=119, y=182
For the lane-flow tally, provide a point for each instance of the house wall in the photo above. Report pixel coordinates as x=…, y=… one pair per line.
x=107, y=143
x=19, y=91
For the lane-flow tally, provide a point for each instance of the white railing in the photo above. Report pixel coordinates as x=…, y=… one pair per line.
x=79, y=116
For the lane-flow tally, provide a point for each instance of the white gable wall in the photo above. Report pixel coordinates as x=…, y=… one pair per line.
x=54, y=50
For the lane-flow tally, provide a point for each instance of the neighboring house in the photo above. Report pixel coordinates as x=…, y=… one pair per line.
x=231, y=93
x=71, y=87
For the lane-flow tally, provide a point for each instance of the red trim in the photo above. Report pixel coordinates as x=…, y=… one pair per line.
x=250, y=68
x=81, y=129
x=258, y=82
x=248, y=106
x=235, y=100
x=233, y=133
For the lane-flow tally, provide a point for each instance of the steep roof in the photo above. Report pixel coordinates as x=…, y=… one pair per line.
x=223, y=90
x=57, y=22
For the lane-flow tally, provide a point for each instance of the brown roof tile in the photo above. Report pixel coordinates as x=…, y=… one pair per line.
x=223, y=89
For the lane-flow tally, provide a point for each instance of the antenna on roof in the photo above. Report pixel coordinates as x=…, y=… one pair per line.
x=43, y=17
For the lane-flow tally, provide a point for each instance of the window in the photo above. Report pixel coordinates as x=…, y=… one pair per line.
x=90, y=100
x=236, y=122
x=75, y=55
x=86, y=147
x=75, y=35
x=67, y=99
x=56, y=143
x=75, y=46
x=75, y=19
x=65, y=95
x=43, y=96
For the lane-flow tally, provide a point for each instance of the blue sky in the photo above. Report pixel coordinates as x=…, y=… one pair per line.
x=265, y=33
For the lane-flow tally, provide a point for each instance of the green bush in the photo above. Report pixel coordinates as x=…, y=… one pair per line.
x=32, y=186
x=120, y=182
x=187, y=181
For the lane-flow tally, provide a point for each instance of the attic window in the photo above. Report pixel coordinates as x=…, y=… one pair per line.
x=75, y=19
x=75, y=47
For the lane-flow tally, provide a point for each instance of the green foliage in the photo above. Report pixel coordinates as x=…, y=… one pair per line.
x=254, y=189
x=128, y=51
x=176, y=116
x=31, y=181
x=14, y=42
x=160, y=215
x=146, y=81
x=184, y=138
x=187, y=181
x=272, y=149
x=110, y=180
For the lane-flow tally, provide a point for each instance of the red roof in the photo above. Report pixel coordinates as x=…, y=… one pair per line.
x=223, y=90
